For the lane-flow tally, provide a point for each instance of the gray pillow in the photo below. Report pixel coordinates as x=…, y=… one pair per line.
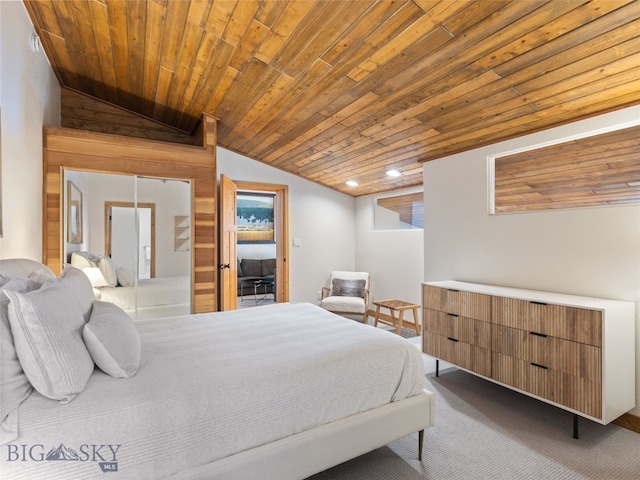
x=112, y=340
x=240, y=274
x=80, y=288
x=14, y=385
x=251, y=267
x=47, y=331
x=348, y=288
x=268, y=266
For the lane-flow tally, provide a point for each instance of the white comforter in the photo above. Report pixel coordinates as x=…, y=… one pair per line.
x=211, y=385
x=150, y=292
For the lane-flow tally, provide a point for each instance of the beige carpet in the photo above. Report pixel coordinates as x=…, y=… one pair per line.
x=484, y=431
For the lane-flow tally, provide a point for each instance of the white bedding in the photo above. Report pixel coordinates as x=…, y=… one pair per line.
x=211, y=385
x=152, y=292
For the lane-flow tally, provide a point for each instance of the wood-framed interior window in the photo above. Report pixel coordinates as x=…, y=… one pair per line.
x=400, y=211
x=591, y=171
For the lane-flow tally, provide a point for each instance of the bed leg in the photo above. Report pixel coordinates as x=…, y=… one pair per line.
x=420, y=443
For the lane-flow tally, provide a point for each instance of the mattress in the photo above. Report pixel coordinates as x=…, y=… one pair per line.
x=151, y=292
x=211, y=385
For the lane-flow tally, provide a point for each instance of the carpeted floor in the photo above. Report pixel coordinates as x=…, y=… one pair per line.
x=484, y=431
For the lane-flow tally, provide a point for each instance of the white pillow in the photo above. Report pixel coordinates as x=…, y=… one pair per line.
x=47, y=332
x=82, y=260
x=125, y=277
x=108, y=269
x=80, y=288
x=112, y=340
x=14, y=385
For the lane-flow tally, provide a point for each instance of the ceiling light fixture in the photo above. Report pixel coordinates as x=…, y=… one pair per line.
x=393, y=173
x=352, y=183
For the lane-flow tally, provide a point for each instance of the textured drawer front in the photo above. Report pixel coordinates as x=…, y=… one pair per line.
x=575, y=324
x=574, y=392
x=458, y=353
x=466, y=304
x=573, y=358
x=464, y=329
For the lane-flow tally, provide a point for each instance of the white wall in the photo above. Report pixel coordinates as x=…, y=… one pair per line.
x=393, y=258
x=320, y=217
x=29, y=98
x=590, y=251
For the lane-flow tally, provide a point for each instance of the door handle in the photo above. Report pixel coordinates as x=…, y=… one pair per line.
x=222, y=266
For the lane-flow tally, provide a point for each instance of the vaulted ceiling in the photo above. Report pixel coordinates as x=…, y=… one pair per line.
x=337, y=90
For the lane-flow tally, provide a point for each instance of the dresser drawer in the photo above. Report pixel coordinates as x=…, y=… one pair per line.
x=574, y=392
x=572, y=358
x=464, y=329
x=570, y=323
x=457, y=352
x=467, y=304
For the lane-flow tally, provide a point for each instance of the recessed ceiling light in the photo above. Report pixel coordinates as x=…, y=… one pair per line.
x=352, y=183
x=393, y=173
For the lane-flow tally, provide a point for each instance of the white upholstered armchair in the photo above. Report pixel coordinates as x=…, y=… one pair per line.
x=347, y=293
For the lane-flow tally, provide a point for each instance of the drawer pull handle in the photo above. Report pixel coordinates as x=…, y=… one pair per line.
x=539, y=303
x=538, y=334
x=452, y=315
x=453, y=290
x=452, y=339
x=538, y=365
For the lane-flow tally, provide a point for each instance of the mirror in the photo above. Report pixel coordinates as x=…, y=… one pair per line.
x=128, y=248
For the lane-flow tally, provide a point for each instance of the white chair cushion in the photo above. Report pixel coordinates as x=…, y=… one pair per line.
x=343, y=304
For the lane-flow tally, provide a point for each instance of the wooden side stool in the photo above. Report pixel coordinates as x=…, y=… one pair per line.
x=397, y=306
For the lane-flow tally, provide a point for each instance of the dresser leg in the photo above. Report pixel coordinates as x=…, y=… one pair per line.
x=437, y=367
x=575, y=426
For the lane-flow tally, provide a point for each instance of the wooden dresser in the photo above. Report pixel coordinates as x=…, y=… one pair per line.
x=577, y=353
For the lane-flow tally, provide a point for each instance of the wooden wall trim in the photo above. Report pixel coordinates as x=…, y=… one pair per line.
x=629, y=421
x=66, y=148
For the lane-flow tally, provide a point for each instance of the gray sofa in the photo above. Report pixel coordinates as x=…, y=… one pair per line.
x=256, y=269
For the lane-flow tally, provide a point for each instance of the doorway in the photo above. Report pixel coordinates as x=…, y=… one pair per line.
x=134, y=252
x=229, y=233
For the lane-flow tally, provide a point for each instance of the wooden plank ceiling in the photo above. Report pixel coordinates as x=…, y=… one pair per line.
x=337, y=90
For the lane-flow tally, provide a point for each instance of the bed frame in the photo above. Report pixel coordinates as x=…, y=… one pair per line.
x=306, y=453
x=311, y=451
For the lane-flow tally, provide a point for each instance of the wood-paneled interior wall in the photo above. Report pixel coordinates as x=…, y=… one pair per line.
x=592, y=171
x=83, y=112
x=72, y=149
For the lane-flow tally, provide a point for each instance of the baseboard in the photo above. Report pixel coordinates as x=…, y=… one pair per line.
x=628, y=421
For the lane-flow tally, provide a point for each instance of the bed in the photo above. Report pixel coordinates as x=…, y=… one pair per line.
x=149, y=298
x=274, y=392
x=152, y=297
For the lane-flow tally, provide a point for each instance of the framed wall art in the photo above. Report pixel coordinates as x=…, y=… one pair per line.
x=74, y=213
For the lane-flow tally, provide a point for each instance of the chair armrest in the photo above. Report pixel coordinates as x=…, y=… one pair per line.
x=325, y=292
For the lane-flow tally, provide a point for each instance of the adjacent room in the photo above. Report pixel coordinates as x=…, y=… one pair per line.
x=320, y=239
